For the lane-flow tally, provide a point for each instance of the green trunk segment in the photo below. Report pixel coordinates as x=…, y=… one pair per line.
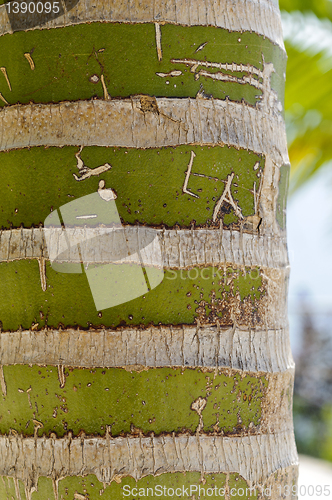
x=149, y=183
x=213, y=295
x=69, y=60
x=282, y=196
x=90, y=488
x=154, y=400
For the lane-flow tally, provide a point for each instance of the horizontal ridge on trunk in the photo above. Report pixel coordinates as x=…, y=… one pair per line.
x=124, y=123
x=259, y=16
x=208, y=346
x=254, y=457
x=219, y=483
x=180, y=248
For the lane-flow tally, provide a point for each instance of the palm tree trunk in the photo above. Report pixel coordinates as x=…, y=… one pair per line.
x=172, y=115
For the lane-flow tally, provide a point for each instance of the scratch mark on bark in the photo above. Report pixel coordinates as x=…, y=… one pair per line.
x=3, y=99
x=201, y=47
x=171, y=73
x=37, y=425
x=158, y=41
x=86, y=172
x=194, y=63
x=28, y=57
x=107, y=97
x=4, y=72
x=3, y=382
x=42, y=272
x=61, y=376
x=185, y=185
x=228, y=198
x=198, y=405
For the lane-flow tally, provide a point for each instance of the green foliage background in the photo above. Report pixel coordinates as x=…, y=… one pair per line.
x=308, y=104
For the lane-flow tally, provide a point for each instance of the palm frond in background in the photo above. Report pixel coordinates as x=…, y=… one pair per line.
x=308, y=38
x=321, y=8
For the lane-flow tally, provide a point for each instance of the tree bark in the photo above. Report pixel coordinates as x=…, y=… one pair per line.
x=172, y=113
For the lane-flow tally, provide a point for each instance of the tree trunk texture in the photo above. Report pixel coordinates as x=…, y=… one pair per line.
x=172, y=112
